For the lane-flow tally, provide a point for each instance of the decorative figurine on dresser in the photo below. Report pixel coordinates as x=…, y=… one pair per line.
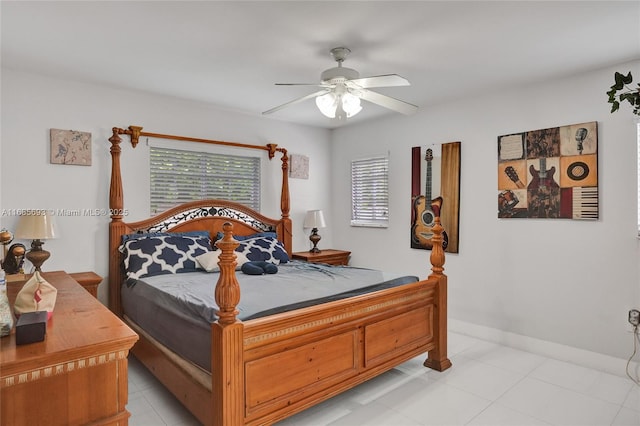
x=14, y=259
x=6, y=237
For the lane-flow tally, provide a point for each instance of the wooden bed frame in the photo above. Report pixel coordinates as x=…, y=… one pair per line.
x=266, y=369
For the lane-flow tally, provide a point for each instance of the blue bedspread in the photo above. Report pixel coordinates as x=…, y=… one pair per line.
x=177, y=309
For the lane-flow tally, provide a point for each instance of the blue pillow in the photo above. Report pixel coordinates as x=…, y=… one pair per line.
x=137, y=236
x=168, y=254
x=259, y=268
x=267, y=249
x=270, y=234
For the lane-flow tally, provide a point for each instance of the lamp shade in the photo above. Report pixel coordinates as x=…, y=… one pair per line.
x=36, y=227
x=314, y=219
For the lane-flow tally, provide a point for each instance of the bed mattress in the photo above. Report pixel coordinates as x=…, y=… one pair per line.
x=177, y=309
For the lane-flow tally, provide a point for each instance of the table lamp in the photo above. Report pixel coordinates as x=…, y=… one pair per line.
x=37, y=228
x=314, y=219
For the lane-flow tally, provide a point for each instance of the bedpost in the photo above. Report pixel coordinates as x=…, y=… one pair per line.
x=285, y=202
x=116, y=202
x=437, y=252
x=227, y=369
x=284, y=196
x=437, y=358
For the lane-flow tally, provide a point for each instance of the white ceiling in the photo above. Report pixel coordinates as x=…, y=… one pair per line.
x=230, y=53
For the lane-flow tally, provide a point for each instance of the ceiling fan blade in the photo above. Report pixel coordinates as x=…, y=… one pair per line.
x=389, y=80
x=295, y=101
x=387, y=101
x=303, y=84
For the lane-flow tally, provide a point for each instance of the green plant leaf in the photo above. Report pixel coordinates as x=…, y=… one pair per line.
x=632, y=96
x=621, y=80
x=615, y=106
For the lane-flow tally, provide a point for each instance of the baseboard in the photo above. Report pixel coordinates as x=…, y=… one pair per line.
x=606, y=363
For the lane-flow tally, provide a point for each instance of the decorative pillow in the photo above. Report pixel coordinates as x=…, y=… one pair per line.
x=137, y=236
x=266, y=249
x=259, y=268
x=169, y=254
x=209, y=260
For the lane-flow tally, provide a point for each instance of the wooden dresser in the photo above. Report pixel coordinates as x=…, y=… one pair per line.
x=88, y=280
x=78, y=374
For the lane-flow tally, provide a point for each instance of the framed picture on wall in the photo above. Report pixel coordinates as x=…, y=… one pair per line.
x=435, y=192
x=70, y=147
x=549, y=173
x=299, y=167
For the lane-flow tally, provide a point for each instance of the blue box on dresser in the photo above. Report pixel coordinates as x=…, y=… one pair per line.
x=31, y=327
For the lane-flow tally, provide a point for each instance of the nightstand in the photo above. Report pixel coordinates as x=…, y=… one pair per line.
x=330, y=256
x=88, y=280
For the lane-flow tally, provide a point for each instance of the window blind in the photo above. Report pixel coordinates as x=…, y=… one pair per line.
x=370, y=192
x=179, y=176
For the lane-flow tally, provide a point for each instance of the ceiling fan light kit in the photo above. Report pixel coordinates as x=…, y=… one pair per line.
x=342, y=89
x=338, y=106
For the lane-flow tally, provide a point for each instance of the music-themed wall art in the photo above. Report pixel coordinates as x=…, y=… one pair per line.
x=435, y=191
x=549, y=173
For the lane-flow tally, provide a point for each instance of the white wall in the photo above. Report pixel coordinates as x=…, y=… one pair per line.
x=32, y=104
x=564, y=281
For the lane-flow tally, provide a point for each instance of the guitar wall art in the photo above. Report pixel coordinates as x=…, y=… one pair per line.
x=435, y=192
x=549, y=173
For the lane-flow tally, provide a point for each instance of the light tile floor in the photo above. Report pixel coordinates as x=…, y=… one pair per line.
x=489, y=384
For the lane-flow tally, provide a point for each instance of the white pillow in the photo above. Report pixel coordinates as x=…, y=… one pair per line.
x=209, y=260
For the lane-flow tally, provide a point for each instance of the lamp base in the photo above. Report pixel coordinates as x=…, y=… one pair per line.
x=315, y=238
x=37, y=255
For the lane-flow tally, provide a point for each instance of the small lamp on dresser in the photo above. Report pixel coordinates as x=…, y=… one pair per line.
x=36, y=228
x=314, y=219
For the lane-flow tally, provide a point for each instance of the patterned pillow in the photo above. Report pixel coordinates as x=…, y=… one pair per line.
x=168, y=254
x=137, y=236
x=266, y=249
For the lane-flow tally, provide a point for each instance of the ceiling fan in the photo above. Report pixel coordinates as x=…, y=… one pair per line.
x=342, y=88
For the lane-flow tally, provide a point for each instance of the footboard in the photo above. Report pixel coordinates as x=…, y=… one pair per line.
x=295, y=360
x=269, y=368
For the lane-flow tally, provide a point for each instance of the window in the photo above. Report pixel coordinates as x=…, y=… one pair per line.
x=370, y=192
x=179, y=176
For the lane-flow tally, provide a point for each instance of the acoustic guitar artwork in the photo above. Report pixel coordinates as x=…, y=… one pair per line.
x=426, y=210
